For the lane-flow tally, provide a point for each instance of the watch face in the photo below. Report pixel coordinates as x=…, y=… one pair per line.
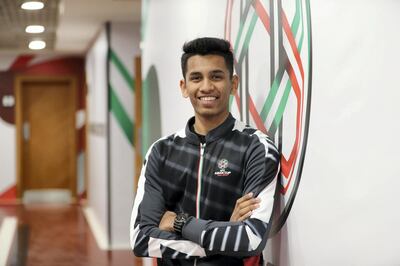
x=180, y=218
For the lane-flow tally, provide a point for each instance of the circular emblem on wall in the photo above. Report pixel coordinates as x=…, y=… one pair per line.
x=271, y=41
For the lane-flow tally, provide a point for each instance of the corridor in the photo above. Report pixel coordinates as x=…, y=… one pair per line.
x=56, y=235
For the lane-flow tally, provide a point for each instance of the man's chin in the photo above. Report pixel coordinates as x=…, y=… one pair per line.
x=210, y=114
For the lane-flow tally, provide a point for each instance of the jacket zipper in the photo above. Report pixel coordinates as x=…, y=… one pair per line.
x=199, y=177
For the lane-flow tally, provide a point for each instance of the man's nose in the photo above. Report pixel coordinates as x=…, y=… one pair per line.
x=207, y=85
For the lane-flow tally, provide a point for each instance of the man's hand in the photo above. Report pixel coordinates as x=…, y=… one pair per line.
x=167, y=221
x=244, y=207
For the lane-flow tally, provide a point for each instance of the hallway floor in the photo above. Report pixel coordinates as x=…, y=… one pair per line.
x=57, y=235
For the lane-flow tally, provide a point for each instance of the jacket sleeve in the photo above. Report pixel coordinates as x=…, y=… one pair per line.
x=147, y=240
x=249, y=237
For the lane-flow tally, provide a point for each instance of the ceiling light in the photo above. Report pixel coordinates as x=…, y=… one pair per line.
x=34, y=29
x=32, y=5
x=37, y=45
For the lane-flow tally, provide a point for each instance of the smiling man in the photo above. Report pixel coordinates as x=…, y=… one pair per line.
x=206, y=194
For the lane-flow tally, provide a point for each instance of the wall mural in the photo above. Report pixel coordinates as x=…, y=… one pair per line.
x=273, y=59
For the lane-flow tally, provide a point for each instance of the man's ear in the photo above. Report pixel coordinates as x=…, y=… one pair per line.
x=235, y=84
x=184, y=92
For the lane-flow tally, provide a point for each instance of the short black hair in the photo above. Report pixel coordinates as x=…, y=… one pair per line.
x=206, y=46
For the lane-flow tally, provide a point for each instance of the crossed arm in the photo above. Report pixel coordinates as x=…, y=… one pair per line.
x=244, y=235
x=243, y=209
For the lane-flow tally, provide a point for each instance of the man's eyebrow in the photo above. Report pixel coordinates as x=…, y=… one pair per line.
x=194, y=73
x=217, y=71
x=212, y=72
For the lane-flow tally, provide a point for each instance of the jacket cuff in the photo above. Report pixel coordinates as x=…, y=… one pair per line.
x=193, y=228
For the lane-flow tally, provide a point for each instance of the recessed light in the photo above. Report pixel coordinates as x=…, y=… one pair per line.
x=34, y=29
x=37, y=45
x=32, y=5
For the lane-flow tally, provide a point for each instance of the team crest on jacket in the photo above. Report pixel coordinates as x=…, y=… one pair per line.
x=222, y=165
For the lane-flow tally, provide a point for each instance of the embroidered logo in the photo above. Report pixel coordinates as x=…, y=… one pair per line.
x=222, y=165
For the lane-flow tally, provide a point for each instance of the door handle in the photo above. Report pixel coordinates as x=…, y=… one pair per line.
x=26, y=131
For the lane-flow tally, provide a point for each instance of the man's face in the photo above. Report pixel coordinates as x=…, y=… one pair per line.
x=208, y=85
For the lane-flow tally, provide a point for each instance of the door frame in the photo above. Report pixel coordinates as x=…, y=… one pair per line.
x=18, y=85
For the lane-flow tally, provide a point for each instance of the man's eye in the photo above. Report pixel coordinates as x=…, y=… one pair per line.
x=194, y=78
x=216, y=77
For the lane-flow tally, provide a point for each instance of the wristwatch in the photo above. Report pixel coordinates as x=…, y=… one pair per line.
x=179, y=221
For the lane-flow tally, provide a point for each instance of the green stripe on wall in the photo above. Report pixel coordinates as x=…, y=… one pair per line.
x=271, y=95
x=241, y=27
x=300, y=46
x=247, y=39
x=281, y=108
x=120, y=114
x=122, y=69
x=296, y=19
x=230, y=101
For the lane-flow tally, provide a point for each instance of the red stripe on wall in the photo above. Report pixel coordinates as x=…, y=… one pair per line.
x=21, y=62
x=252, y=261
x=263, y=15
x=256, y=116
x=10, y=193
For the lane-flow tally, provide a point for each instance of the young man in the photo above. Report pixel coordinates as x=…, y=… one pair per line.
x=206, y=193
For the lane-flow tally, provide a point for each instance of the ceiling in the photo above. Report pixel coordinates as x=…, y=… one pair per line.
x=71, y=25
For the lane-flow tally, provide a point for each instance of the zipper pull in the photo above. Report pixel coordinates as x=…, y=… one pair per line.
x=202, y=146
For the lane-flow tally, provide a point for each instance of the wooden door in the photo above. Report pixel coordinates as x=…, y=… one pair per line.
x=46, y=133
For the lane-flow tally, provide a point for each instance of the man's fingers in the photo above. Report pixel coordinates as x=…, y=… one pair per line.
x=244, y=207
x=247, y=209
x=248, y=202
x=244, y=198
x=245, y=216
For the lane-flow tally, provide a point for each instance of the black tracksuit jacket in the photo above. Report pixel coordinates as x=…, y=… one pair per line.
x=181, y=174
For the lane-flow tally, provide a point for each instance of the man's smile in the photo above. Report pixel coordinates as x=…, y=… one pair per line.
x=207, y=98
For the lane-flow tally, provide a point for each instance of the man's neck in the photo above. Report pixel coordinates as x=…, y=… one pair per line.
x=203, y=125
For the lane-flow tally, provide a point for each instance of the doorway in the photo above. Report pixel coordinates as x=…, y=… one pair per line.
x=46, y=134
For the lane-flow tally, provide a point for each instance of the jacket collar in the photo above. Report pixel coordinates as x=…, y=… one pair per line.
x=216, y=133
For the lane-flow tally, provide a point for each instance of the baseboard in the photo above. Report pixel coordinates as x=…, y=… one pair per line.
x=96, y=228
x=7, y=233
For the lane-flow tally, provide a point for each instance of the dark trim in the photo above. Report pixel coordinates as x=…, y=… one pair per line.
x=282, y=219
x=272, y=49
x=246, y=91
x=283, y=60
x=108, y=34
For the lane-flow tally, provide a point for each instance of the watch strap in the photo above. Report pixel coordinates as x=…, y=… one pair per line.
x=179, y=221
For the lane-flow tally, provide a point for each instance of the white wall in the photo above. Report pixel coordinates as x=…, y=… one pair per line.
x=111, y=188
x=7, y=140
x=346, y=211
x=125, y=45
x=7, y=155
x=165, y=33
x=97, y=107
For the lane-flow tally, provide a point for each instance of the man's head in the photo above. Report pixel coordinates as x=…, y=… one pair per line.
x=207, y=66
x=207, y=46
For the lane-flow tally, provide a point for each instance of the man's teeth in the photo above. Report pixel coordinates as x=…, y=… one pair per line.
x=208, y=98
